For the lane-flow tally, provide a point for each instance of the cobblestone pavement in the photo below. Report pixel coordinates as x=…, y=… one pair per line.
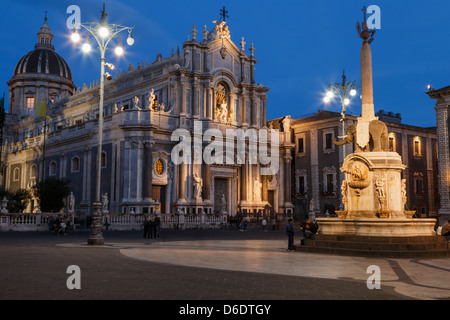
x=203, y=265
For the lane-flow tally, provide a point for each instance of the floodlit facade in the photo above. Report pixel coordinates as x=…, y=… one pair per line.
x=205, y=89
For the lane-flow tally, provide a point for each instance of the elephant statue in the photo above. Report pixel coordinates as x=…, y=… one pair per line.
x=378, y=137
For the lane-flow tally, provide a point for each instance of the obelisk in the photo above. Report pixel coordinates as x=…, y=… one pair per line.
x=367, y=108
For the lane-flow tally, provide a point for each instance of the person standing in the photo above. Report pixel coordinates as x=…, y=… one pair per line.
x=290, y=233
x=145, y=228
x=264, y=224
x=156, y=226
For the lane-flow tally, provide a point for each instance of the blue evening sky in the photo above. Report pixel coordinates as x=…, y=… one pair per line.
x=300, y=45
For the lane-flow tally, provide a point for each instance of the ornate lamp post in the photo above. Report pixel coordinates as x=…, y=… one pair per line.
x=343, y=91
x=103, y=33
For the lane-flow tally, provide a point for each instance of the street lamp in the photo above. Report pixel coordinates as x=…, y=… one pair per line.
x=343, y=91
x=103, y=33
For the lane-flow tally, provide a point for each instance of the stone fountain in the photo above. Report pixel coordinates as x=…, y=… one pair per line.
x=373, y=218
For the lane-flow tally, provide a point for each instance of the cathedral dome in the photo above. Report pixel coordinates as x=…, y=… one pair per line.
x=43, y=59
x=40, y=76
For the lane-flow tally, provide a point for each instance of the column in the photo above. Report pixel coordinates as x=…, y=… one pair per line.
x=195, y=100
x=443, y=156
x=183, y=84
x=243, y=105
x=430, y=182
x=182, y=182
x=314, y=167
x=206, y=182
x=287, y=167
x=139, y=170
x=148, y=170
x=244, y=182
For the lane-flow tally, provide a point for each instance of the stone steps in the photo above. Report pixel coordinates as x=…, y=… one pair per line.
x=392, y=247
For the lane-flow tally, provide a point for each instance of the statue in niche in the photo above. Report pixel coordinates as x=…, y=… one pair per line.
x=287, y=124
x=105, y=202
x=257, y=190
x=311, y=206
x=344, y=189
x=224, y=204
x=136, y=103
x=198, y=185
x=379, y=184
x=221, y=111
x=71, y=203
x=152, y=101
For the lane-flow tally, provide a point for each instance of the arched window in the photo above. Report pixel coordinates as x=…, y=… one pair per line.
x=16, y=174
x=104, y=159
x=75, y=164
x=33, y=170
x=52, y=168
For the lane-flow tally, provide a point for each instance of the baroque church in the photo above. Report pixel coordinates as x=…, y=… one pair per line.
x=210, y=81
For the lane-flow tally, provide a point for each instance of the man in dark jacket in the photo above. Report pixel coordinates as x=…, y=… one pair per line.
x=290, y=234
x=156, y=226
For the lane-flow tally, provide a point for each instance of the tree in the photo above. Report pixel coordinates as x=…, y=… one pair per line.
x=18, y=200
x=51, y=193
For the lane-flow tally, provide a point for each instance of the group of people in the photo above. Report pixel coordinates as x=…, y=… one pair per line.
x=444, y=230
x=58, y=225
x=152, y=227
x=307, y=227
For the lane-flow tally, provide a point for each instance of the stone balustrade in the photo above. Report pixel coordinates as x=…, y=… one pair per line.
x=113, y=222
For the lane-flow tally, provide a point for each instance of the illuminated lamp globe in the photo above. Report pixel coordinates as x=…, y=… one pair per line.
x=86, y=47
x=119, y=50
x=346, y=101
x=353, y=92
x=75, y=36
x=326, y=99
x=330, y=94
x=103, y=32
x=130, y=40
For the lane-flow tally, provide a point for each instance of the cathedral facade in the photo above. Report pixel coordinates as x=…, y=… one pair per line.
x=208, y=86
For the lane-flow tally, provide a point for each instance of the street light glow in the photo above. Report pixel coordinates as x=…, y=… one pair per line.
x=330, y=94
x=118, y=50
x=346, y=101
x=353, y=92
x=86, y=47
x=103, y=32
x=326, y=99
x=75, y=36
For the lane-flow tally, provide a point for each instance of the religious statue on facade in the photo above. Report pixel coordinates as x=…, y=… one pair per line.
x=257, y=190
x=198, y=185
x=105, y=202
x=71, y=203
x=221, y=111
x=152, y=101
x=136, y=102
x=224, y=204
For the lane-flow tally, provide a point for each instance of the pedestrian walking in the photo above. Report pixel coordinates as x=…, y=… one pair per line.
x=290, y=233
x=264, y=224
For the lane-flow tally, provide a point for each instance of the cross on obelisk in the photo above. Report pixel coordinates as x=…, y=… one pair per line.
x=223, y=14
x=367, y=107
